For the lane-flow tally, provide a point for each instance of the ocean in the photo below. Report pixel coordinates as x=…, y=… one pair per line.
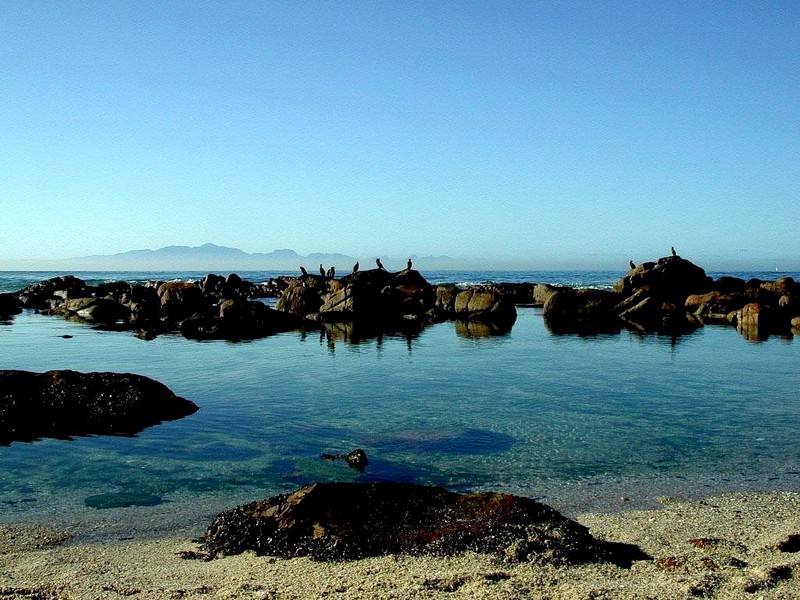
x=604, y=422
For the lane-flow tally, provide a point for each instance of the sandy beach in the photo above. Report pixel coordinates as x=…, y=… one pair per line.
x=731, y=546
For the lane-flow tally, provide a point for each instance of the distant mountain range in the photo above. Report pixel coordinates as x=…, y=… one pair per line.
x=211, y=257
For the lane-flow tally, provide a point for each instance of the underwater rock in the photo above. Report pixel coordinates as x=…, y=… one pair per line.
x=357, y=459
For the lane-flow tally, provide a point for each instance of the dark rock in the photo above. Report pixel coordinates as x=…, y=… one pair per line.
x=653, y=295
x=518, y=293
x=729, y=285
x=40, y=295
x=340, y=521
x=672, y=278
x=790, y=543
x=95, y=310
x=239, y=320
x=66, y=403
x=181, y=300
x=9, y=305
x=583, y=311
x=357, y=459
x=374, y=295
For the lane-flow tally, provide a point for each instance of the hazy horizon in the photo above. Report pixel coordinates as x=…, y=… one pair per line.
x=211, y=256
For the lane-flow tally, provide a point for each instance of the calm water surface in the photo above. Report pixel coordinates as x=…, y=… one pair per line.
x=576, y=421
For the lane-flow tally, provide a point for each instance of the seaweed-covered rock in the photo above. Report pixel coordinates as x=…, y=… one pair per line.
x=336, y=521
x=65, y=403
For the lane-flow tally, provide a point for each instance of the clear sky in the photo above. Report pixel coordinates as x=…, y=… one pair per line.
x=527, y=134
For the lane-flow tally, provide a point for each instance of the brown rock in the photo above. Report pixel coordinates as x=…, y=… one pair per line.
x=755, y=321
x=335, y=521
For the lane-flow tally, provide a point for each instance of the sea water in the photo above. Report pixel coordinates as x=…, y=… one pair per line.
x=578, y=422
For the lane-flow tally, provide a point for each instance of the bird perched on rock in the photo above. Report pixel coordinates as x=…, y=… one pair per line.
x=632, y=264
x=409, y=264
x=380, y=264
x=331, y=274
x=303, y=270
x=355, y=267
x=673, y=251
x=321, y=270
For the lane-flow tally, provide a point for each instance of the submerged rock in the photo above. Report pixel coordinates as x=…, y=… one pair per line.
x=357, y=459
x=340, y=521
x=65, y=403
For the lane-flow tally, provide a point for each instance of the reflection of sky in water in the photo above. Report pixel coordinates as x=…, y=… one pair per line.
x=526, y=413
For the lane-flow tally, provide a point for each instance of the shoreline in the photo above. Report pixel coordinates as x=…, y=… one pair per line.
x=189, y=517
x=726, y=546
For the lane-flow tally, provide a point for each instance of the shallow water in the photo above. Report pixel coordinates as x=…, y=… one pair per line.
x=576, y=421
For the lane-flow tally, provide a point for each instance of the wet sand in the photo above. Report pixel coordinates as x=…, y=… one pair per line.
x=731, y=546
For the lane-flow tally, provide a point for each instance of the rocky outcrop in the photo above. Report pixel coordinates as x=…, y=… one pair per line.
x=669, y=296
x=673, y=296
x=341, y=521
x=757, y=308
x=375, y=296
x=66, y=403
x=215, y=308
x=652, y=295
x=671, y=278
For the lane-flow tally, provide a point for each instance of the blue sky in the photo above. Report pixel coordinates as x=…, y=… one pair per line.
x=508, y=134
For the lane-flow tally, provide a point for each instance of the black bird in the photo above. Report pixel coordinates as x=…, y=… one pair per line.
x=331, y=273
x=633, y=264
x=321, y=270
x=673, y=251
x=303, y=270
x=355, y=267
x=380, y=264
x=409, y=264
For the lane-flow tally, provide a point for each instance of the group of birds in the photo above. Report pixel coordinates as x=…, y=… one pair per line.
x=331, y=273
x=633, y=264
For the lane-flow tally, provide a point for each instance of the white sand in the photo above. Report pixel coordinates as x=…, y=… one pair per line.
x=721, y=548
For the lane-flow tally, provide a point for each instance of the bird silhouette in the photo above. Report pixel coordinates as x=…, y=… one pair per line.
x=380, y=264
x=673, y=251
x=303, y=270
x=355, y=267
x=633, y=264
x=321, y=270
x=409, y=264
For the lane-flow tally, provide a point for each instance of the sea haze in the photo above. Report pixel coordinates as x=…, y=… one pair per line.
x=215, y=258
x=576, y=421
